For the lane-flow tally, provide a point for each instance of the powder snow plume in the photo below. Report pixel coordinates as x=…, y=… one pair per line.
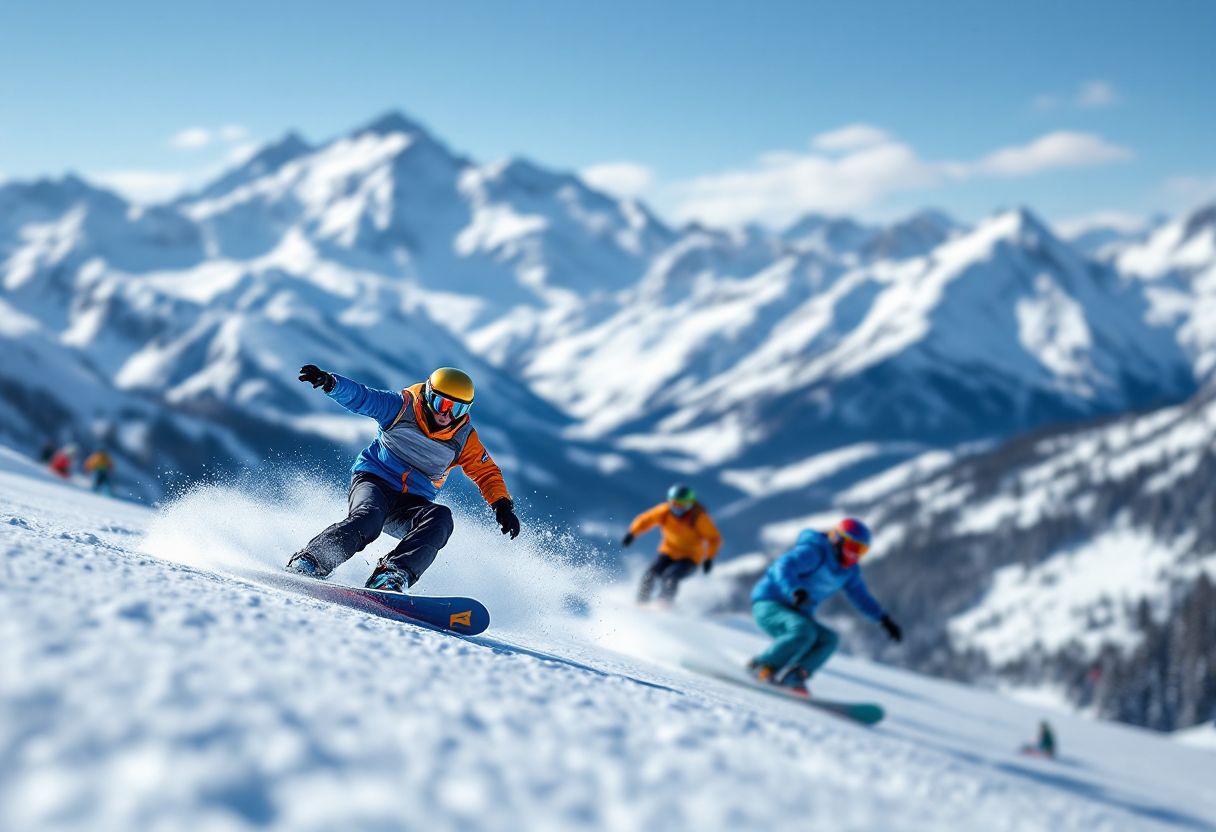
x=255, y=525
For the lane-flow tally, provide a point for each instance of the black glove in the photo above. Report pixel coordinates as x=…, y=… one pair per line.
x=708, y=565
x=627, y=540
x=892, y=628
x=799, y=597
x=504, y=513
x=317, y=377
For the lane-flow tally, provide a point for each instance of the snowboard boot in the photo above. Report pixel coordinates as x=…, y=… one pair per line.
x=761, y=672
x=303, y=563
x=388, y=579
x=794, y=681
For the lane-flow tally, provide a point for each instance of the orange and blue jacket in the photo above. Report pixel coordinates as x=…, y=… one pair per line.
x=692, y=536
x=407, y=453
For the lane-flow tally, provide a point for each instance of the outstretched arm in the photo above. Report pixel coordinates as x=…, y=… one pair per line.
x=861, y=598
x=381, y=405
x=647, y=520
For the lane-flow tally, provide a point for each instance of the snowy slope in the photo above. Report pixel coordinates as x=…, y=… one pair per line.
x=143, y=687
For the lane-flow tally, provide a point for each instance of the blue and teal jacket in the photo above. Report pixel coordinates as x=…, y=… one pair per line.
x=406, y=453
x=812, y=565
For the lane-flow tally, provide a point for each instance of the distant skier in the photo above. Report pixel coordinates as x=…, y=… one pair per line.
x=786, y=596
x=62, y=461
x=1046, y=744
x=100, y=464
x=690, y=539
x=424, y=432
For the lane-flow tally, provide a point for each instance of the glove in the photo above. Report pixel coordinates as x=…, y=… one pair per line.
x=504, y=513
x=892, y=628
x=627, y=540
x=707, y=566
x=317, y=377
x=799, y=597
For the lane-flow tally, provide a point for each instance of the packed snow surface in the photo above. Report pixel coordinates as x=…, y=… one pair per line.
x=148, y=680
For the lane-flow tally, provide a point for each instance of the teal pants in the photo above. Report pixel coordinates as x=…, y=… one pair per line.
x=800, y=640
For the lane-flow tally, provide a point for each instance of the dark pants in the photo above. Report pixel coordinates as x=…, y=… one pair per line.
x=422, y=526
x=669, y=573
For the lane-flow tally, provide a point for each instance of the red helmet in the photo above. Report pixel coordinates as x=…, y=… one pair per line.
x=854, y=539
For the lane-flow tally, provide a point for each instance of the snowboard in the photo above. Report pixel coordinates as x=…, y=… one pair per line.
x=464, y=616
x=862, y=712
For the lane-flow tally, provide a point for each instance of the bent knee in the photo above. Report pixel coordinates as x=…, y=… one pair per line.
x=828, y=638
x=441, y=516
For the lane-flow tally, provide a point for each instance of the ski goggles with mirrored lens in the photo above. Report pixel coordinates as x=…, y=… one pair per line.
x=853, y=547
x=442, y=404
x=681, y=507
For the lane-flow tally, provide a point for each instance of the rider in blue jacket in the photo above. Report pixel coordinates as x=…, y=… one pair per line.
x=786, y=597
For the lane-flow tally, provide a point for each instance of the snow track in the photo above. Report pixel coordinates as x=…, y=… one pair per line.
x=138, y=693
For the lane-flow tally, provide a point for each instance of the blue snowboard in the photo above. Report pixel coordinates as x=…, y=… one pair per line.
x=463, y=616
x=863, y=712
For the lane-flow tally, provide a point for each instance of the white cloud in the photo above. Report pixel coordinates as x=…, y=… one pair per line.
x=1088, y=96
x=1045, y=103
x=1096, y=94
x=144, y=186
x=1062, y=149
x=622, y=179
x=191, y=138
x=1186, y=192
x=852, y=137
x=784, y=185
x=1115, y=220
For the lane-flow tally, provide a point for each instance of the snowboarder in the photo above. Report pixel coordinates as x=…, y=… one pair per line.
x=690, y=539
x=424, y=432
x=62, y=460
x=100, y=464
x=786, y=596
x=1046, y=744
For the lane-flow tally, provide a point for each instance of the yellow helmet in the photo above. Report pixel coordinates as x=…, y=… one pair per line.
x=450, y=383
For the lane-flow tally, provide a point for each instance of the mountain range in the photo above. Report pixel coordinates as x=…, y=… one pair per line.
x=774, y=370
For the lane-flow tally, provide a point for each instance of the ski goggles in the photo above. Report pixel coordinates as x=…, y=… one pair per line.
x=442, y=404
x=853, y=548
x=679, y=507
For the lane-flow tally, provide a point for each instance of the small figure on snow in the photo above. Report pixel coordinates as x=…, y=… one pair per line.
x=100, y=464
x=1046, y=745
x=786, y=596
x=62, y=461
x=690, y=539
x=424, y=432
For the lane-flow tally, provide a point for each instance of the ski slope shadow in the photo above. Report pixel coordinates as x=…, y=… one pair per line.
x=503, y=647
x=1103, y=795
x=1082, y=788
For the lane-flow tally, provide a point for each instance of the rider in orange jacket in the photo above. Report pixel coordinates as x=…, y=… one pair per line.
x=690, y=539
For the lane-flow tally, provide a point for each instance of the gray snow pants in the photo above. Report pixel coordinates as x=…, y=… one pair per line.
x=422, y=526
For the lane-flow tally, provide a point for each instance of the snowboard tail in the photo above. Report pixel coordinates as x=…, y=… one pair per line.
x=452, y=614
x=862, y=712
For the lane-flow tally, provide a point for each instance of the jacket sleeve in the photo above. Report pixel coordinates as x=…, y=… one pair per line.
x=381, y=405
x=713, y=538
x=861, y=598
x=792, y=568
x=475, y=461
x=647, y=520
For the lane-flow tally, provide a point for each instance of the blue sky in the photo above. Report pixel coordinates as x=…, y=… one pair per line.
x=724, y=111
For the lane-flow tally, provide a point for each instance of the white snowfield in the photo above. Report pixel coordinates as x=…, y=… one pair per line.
x=144, y=687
